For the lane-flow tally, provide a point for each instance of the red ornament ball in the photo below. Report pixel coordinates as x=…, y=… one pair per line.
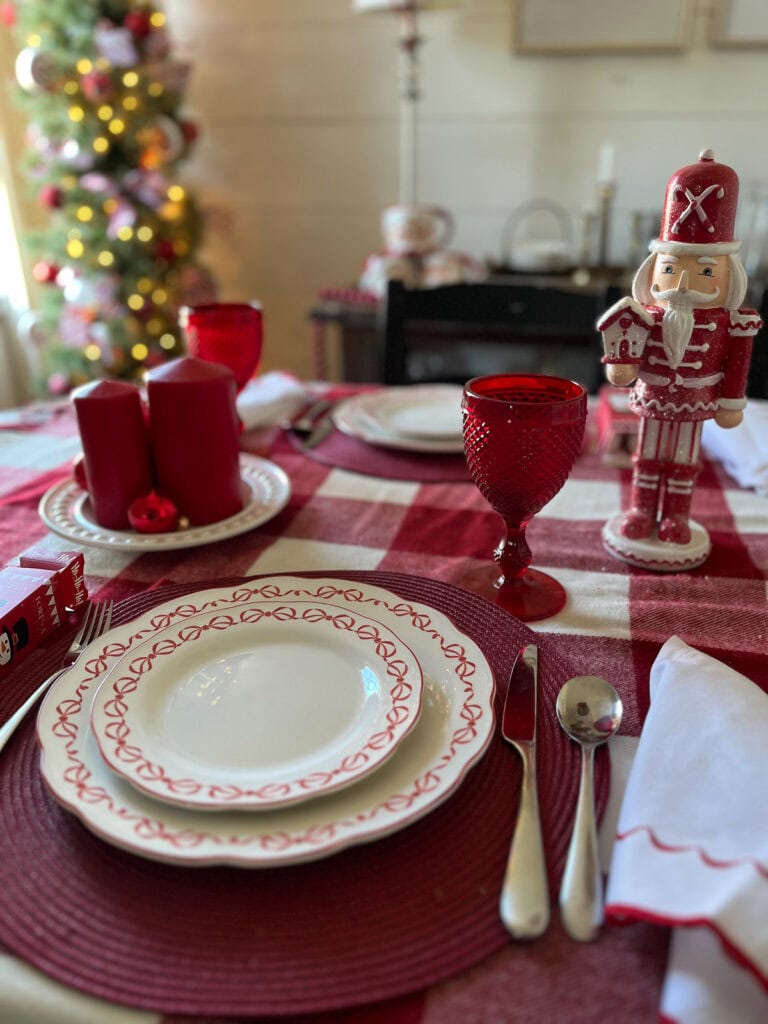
x=190, y=131
x=51, y=197
x=97, y=86
x=78, y=471
x=45, y=272
x=152, y=513
x=138, y=24
x=8, y=13
x=164, y=250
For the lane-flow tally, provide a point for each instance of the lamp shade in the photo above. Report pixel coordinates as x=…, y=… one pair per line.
x=397, y=6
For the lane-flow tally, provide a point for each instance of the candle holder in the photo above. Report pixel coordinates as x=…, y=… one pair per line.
x=606, y=190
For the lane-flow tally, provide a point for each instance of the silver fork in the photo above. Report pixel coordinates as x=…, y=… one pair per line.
x=97, y=620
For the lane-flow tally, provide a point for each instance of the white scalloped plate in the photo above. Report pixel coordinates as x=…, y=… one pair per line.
x=419, y=417
x=66, y=510
x=454, y=730
x=257, y=707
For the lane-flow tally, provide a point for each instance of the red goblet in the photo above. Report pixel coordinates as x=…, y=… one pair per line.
x=229, y=333
x=522, y=433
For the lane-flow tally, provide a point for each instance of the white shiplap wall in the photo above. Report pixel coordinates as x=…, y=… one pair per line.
x=298, y=109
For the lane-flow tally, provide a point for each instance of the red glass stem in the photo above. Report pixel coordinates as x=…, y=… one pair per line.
x=512, y=553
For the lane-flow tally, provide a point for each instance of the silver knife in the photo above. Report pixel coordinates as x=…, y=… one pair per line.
x=304, y=421
x=524, y=905
x=320, y=431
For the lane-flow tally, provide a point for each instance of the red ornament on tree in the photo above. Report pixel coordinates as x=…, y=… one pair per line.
x=97, y=86
x=8, y=13
x=164, y=250
x=190, y=131
x=51, y=197
x=138, y=24
x=45, y=272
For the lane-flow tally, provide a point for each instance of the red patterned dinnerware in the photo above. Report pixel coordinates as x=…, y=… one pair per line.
x=230, y=333
x=453, y=731
x=522, y=433
x=418, y=417
x=257, y=707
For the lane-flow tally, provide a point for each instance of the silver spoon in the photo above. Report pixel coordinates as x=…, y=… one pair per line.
x=589, y=710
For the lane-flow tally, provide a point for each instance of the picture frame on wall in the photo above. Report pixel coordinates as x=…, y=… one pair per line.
x=552, y=27
x=739, y=24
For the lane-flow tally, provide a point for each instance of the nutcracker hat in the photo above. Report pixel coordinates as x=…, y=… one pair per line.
x=700, y=210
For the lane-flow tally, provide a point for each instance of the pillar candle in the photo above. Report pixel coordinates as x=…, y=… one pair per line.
x=118, y=462
x=195, y=438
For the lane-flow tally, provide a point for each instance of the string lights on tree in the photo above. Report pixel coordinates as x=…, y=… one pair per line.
x=105, y=137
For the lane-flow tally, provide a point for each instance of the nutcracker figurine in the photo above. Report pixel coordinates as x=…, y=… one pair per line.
x=684, y=341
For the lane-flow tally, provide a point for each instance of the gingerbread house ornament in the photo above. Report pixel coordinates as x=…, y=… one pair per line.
x=683, y=342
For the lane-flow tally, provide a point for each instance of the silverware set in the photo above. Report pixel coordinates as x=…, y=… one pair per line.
x=589, y=711
x=312, y=424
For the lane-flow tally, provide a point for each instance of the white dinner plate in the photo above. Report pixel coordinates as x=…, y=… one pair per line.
x=419, y=417
x=453, y=731
x=66, y=510
x=259, y=706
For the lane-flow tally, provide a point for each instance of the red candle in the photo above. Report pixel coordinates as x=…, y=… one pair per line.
x=195, y=438
x=118, y=462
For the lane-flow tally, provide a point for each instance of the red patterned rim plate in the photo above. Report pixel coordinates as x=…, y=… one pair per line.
x=414, y=418
x=453, y=731
x=257, y=706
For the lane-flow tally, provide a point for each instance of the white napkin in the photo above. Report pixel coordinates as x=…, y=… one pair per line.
x=691, y=847
x=270, y=398
x=29, y=997
x=743, y=450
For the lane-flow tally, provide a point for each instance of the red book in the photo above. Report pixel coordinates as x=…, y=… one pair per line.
x=34, y=598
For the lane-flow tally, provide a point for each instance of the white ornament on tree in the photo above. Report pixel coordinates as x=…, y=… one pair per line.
x=36, y=70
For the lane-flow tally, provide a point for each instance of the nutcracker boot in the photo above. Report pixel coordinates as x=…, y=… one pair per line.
x=639, y=520
x=678, y=491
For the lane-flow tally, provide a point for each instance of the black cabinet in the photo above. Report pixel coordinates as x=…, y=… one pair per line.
x=549, y=327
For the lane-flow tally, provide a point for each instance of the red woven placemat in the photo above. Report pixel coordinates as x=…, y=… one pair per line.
x=364, y=925
x=346, y=452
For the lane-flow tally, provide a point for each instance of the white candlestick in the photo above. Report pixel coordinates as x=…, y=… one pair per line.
x=605, y=164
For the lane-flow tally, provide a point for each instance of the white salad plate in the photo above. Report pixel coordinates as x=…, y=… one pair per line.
x=418, y=417
x=453, y=731
x=66, y=510
x=262, y=705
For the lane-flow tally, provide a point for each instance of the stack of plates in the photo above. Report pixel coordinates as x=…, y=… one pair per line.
x=420, y=417
x=266, y=724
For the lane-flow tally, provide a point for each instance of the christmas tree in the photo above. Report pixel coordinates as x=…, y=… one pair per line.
x=105, y=135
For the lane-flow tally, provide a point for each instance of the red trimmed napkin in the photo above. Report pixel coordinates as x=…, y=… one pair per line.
x=692, y=837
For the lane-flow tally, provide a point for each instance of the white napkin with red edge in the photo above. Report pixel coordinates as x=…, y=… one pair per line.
x=271, y=398
x=743, y=450
x=691, y=847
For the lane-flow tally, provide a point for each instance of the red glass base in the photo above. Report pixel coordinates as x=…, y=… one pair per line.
x=534, y=596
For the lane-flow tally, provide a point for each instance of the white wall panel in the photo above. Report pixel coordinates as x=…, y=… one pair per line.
x=298, y=109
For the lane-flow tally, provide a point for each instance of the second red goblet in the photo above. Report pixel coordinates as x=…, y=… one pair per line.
x=522, y=433
x=230, y=333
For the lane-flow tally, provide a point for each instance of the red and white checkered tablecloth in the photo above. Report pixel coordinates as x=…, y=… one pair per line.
x=615, y=621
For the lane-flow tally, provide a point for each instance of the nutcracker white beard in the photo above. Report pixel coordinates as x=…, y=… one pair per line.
x=677, y=322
